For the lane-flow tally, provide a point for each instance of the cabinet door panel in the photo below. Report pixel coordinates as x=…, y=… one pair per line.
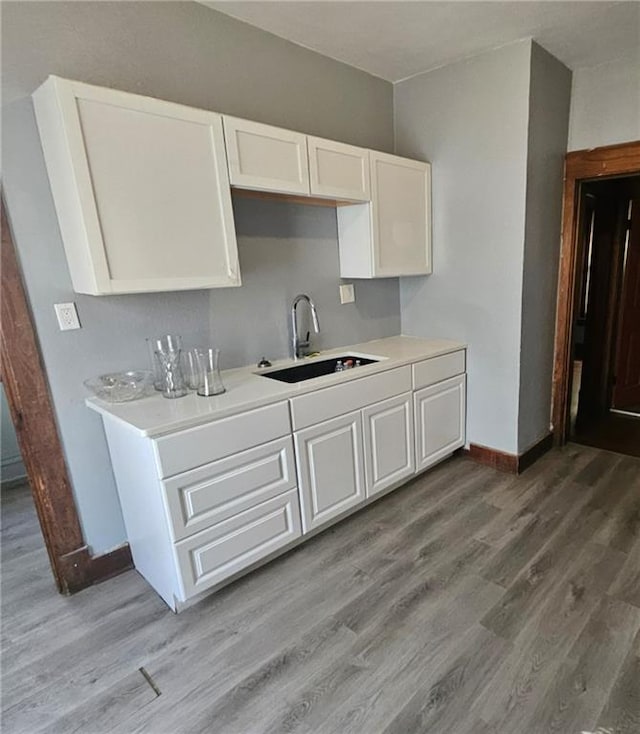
x=338, y=171
x=141, y=190
x=266, y=158
x=401, y=196
x=330, y=469
x=213, y=555
x=440, y=412
x=388, y=441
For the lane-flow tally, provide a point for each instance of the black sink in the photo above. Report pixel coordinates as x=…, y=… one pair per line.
x=309, y=370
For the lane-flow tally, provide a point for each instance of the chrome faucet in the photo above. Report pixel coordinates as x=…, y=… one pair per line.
x=297, y=343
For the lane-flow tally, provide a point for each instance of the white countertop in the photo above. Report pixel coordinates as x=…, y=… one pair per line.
x=247, y=389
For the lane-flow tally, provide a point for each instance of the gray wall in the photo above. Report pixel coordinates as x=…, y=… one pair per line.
x=470, y=120
x=605, y=104
x=185, y=53
x=286, y=249
x=549, y=96
x=12, y=466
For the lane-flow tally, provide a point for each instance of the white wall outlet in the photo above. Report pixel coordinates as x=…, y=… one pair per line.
x=67, y=316
x=347, y=293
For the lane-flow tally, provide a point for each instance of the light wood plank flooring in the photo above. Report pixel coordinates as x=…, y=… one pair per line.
x=468, y=602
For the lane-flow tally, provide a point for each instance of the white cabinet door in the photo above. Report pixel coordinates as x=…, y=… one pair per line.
x=388, y=442
x=338, y=171
x=330, y=469
x=141, y=190
x=401, y=195
x=440, y=412
x=266, y=158
x=391, y=236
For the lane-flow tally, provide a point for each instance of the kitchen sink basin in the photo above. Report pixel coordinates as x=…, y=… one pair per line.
x=309, y=370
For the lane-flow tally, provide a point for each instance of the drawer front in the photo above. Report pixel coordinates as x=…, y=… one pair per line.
x=203, y=497
x=437, y=369
x=215, y=554
x=201, y=445
x=353, y=395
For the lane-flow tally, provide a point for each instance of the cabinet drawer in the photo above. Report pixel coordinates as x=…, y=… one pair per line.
x=194, y=447
x=200, y=498
x=353, y=395
x=215, y=554
x=437, y=369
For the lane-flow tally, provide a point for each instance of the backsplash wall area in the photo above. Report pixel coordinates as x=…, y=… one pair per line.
x=286, y=249
x=220, y=64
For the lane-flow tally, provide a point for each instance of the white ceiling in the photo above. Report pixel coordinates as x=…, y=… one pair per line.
x=395, y=40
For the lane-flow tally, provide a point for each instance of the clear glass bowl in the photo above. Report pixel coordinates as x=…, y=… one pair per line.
x=119, y=387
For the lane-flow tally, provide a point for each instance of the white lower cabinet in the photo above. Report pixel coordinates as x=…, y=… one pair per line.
x=330, y=469
x=203, y=504
x=388, y=442
x=226, y=548
x=440, y=420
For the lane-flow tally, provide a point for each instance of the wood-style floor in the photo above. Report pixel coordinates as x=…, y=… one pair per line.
x=614, y=432
x=468, y=602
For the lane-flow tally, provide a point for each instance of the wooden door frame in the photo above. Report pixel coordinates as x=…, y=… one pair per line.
x=31, y=408
x=581, y=165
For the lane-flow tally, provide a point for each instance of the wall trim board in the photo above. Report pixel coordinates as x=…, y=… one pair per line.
x=31, y=409
x=499, y=460
x=532, y=454
x=581, y=165
x=509, y=463
x=91, y=570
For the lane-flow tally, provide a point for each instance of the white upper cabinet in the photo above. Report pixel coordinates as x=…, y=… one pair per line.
x=392, y=235
x=338, y=170
x=140, y=188
x=266, y=158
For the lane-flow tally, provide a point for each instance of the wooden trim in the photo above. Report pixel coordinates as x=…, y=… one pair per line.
x=31, y=409
x=581, y=165
x=509, y=463
x=291, y=198
x=535, y=452
x=491, y=457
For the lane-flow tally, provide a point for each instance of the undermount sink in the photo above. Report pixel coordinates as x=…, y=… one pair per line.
x=309, y=370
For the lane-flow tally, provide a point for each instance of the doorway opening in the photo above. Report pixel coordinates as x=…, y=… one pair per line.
x=613, y=343
x=605, y=368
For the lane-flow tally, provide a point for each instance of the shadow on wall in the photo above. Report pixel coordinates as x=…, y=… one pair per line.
x=12, y=466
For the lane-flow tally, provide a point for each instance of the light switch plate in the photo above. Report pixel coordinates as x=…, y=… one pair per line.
x=67, y=316
x=347, y=293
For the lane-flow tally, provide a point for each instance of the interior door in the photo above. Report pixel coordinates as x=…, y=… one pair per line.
x=626, y=391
